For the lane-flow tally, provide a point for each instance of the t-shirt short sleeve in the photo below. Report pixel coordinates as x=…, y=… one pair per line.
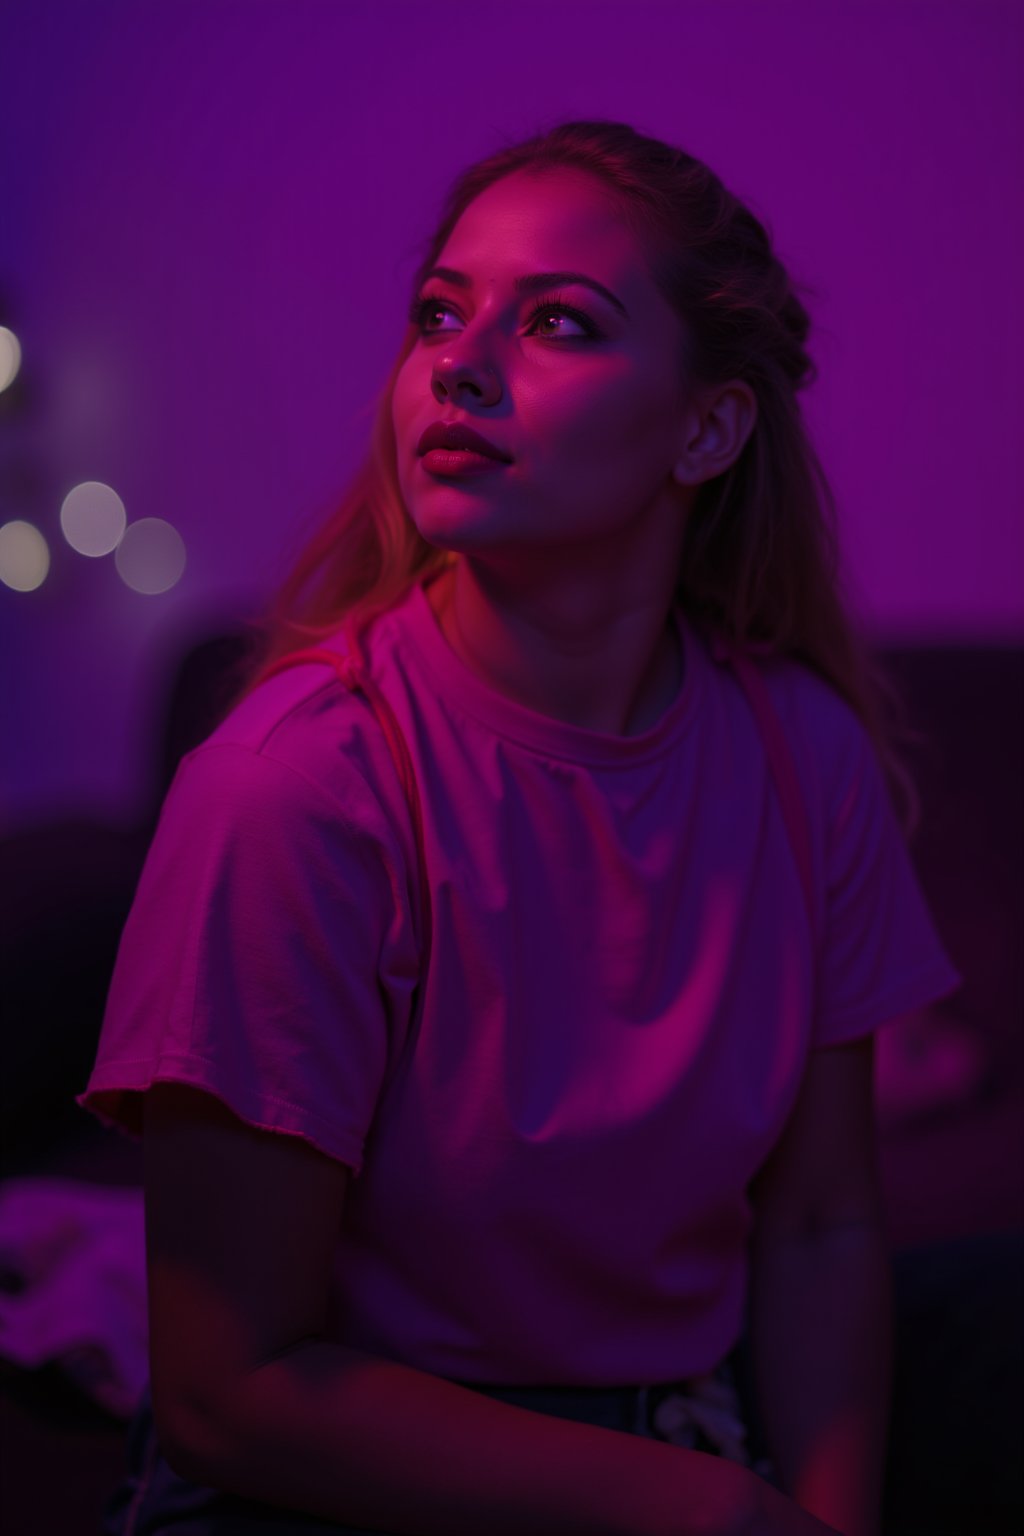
x=269, y=956
x=880, y=954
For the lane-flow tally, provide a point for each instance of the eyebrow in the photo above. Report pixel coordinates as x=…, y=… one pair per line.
x=534, y=283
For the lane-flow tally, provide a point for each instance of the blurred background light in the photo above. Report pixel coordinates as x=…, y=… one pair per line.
x=24, y=556
x=93, y=518
x=10, y=357
x=151, y=556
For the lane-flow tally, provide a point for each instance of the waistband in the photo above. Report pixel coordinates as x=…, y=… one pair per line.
x=702, y=1413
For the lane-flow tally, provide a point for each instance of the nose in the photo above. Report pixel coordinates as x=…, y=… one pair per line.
x=453, y=376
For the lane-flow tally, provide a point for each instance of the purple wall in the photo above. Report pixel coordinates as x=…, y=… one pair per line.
x=212, y=211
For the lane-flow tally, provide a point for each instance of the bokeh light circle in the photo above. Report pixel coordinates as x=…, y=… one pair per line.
x=10, y=357
x=151, y=556
x=93, y=518
x=24, y=556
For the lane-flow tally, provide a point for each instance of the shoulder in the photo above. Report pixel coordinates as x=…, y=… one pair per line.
x=300, y=750
x=830, y=743
x=812, y=705
x=817, y=720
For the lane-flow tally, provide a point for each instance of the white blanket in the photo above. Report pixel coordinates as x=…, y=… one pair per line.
x=73, y=1285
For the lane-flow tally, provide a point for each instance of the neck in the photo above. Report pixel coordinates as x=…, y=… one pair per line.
x=586, y=656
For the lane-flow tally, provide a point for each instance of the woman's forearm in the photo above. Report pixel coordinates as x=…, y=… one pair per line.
x=822, y=1333
x=364, y=1441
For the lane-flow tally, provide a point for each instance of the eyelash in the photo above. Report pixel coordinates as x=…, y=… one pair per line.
x=556, y=305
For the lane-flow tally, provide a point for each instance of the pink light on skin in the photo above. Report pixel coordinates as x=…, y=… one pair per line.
x=586, y=407
x=565, y=558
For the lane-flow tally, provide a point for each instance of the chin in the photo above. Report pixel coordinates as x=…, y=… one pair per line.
x=457, y=529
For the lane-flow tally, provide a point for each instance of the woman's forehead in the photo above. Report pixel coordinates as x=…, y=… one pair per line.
x=559, y=219
x=553, y=205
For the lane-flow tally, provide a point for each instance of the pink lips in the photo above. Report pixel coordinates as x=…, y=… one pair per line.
x=453, y=438
x=459, y=464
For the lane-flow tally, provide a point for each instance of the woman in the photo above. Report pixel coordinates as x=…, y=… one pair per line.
x=498, y=998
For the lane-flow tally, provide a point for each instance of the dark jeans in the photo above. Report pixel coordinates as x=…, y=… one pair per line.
x=957, y=1427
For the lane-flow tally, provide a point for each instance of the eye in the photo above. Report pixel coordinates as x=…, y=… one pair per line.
x=425, y=309
x=422, y=309
x=550, y=307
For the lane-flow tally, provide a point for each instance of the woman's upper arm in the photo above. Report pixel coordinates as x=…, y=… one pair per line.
x=822, y=1173
x=241, y=1230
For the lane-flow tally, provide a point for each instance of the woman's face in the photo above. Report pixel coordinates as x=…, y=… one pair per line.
x=588, y=406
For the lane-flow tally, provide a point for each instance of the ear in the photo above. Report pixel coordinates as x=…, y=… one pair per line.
x=715, y=432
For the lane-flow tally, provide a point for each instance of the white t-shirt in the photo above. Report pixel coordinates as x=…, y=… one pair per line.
x=553, y=1149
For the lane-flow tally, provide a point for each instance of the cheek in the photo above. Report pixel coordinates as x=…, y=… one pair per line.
x=412, y=384
x=601, y=432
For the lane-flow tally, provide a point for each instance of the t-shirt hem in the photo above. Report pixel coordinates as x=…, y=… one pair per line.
x=107, y=1098
x=926, y=987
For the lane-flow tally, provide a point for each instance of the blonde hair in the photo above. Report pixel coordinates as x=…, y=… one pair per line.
x=760, y=561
